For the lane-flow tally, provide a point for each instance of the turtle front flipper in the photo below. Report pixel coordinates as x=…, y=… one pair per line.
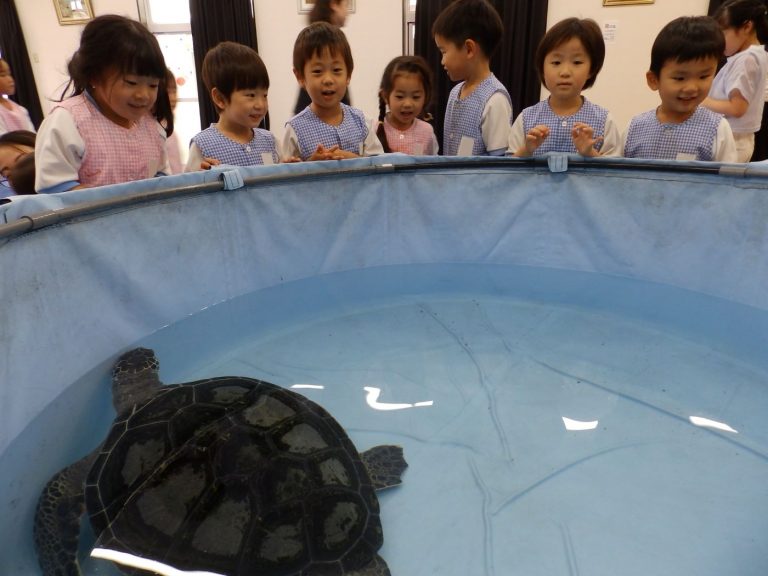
x=57, y=519
x=385, y=465
x=376, y=567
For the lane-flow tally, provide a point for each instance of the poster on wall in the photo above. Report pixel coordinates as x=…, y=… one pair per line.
x=73, y=11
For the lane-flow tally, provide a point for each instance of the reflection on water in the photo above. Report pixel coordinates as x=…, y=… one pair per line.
x=554, y=423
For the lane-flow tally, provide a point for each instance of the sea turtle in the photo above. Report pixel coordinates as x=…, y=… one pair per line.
x=230, y=475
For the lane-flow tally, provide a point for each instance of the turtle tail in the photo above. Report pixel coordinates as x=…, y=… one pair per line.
x=57, y=519
x=385, y=465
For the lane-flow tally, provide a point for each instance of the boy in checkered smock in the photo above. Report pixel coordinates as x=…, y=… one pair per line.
x=237, y=80
x=684, y=59
x=113, y=127
x=327, y=129
x=479, y=110
x=568, y=60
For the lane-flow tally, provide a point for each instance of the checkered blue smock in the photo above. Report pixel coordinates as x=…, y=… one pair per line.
x=462, y=117
x=560, y=139
x=311, y=131
x=213, y=144
x=649, y=138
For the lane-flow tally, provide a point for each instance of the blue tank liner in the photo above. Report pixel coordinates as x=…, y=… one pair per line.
x=88, y=273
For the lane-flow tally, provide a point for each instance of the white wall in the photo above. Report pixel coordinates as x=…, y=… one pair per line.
x=50, y=45
x=621, y=86
x=375, y=34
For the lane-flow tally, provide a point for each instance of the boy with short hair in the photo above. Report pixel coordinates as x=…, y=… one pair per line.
x=684, y=60
x=327, y=129
x=237, y=80
x=478, y=115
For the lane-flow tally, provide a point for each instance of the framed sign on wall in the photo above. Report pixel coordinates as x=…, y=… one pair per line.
x=624, y=2
x=73, y=11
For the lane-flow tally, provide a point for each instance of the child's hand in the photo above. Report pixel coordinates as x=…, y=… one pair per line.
x=583, y=139
x=323, y=153
x=332, y=153
x=207, y=163
x=343, y=154
x=533, y=140
x=290, y=160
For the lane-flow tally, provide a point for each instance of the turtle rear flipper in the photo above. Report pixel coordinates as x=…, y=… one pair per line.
x=376, y=567
x=57, y=519
x=385, y=465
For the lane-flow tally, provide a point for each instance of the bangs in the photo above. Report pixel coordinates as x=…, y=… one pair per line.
x=248, y=75
x=142, y=59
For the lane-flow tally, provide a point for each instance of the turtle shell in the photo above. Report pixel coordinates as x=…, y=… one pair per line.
x=235, y=476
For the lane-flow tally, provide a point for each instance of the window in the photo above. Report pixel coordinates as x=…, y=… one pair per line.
x=170, y=22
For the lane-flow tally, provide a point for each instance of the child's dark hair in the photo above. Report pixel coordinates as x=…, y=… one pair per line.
x=588, y=33
x=170, y=78
x=402, y=65
x=18, y=137
x=736, y=13
x=113, y=42
x=231, y=66
x=687, y=38
x=22, y=175
x=316, y=38
x=474, y=20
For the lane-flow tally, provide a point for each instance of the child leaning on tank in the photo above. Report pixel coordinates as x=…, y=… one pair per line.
x=684, y=60
x=237, y=82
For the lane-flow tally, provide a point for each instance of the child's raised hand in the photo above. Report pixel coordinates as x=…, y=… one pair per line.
x=583, y=139
x=533, y=140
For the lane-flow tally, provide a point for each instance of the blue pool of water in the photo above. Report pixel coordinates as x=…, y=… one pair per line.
x=554, y=422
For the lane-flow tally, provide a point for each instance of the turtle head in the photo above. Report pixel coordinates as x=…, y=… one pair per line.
x=134, y=378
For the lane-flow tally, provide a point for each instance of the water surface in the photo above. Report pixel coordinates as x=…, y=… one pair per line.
x=555, y=423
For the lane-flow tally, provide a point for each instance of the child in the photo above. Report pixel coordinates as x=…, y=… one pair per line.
x=14, y=146
x=331, y=11
x=406, y=87
x=739, y=86
x=12, y=116
x=479, y=110
x=568, y=60
x=172, y=143
x=334, y=12
x=237, y=80
x=109, y=129
x=684, y=58
x=327, y=129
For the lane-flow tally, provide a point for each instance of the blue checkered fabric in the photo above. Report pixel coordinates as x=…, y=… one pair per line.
x=462, y=117
x=213, y=144
x=560, y=139
x=649, y=138
x=311, y=131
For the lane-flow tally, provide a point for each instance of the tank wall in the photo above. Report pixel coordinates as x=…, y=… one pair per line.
x=81, y=292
